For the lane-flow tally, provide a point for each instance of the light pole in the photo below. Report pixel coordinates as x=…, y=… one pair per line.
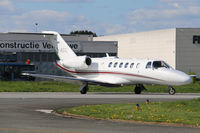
x=36, y=26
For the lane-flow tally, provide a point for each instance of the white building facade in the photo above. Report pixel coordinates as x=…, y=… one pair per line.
x=180, y=47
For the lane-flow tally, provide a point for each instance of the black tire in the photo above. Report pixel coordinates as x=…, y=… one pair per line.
x=84, y=90
x=171, y=91
x=138, y=90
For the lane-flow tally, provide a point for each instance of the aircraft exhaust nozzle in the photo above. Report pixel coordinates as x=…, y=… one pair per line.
x=79, y=62
x=88, y=61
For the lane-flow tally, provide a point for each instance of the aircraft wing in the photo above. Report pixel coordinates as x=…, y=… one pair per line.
x=55, y=77
x=65, y=78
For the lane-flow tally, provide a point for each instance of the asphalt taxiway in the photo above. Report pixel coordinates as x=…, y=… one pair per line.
x=28, y=113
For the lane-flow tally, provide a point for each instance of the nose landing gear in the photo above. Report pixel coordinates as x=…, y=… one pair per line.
x=171, y=90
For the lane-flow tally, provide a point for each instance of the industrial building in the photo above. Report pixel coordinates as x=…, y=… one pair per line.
x=34, y=51
x=180, y=47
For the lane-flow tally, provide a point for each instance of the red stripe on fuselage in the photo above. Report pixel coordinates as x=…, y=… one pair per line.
x=78, y=72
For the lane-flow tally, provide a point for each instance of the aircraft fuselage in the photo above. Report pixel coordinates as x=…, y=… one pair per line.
x=129, y=71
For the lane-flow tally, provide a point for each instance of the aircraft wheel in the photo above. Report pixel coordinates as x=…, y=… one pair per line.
x=84, y=90
x=138, y=90
x=171, y=91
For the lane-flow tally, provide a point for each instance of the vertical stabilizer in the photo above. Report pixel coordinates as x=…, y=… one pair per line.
x=62, y=48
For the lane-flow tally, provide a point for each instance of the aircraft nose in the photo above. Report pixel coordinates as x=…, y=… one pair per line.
x=184, y=79
x=187, y=79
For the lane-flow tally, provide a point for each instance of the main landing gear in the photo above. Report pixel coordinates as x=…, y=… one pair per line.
x=171, y=90
x=139, y=88
x=84, y=88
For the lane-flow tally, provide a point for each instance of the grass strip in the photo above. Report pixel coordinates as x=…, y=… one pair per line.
x=181, y=112
x=37, y=86
x=54, y=86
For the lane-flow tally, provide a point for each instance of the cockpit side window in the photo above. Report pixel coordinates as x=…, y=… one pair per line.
x=148, y=65
x=166, y=65
x=159, y=64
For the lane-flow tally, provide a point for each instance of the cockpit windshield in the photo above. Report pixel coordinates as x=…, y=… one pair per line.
x=159, y=64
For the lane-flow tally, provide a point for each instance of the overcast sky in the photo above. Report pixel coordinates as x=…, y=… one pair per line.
x=105, y=17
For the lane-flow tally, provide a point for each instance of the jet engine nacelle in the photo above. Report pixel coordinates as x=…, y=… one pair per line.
x=78, y=62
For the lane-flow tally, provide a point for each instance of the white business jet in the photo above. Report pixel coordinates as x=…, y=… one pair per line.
x=110, y=71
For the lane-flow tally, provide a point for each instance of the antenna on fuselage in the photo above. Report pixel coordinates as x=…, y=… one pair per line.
x=107, y=55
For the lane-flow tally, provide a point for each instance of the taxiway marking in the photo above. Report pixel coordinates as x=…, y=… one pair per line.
x=47, y=111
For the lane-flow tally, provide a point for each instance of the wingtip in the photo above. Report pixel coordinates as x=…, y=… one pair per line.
x=25, y=74
x=50, y=32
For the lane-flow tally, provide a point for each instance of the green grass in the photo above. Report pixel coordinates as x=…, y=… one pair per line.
x=35, y=86
x=190, y=88
x=183, y=112
x=53, y=86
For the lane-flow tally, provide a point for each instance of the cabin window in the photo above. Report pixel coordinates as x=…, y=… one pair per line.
x=138, y=65
x=126, y=65
x=120, y=65
x=148, y=65
x=115, y=65
x=110, y=64
x=132, y=64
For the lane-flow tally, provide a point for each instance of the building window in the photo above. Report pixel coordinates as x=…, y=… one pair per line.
x=96, y=55
x=44, y=56
x=8, y=57
x=37, y=57
x=51, y=57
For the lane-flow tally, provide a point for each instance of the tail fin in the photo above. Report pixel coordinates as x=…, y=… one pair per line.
x=62, y=49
